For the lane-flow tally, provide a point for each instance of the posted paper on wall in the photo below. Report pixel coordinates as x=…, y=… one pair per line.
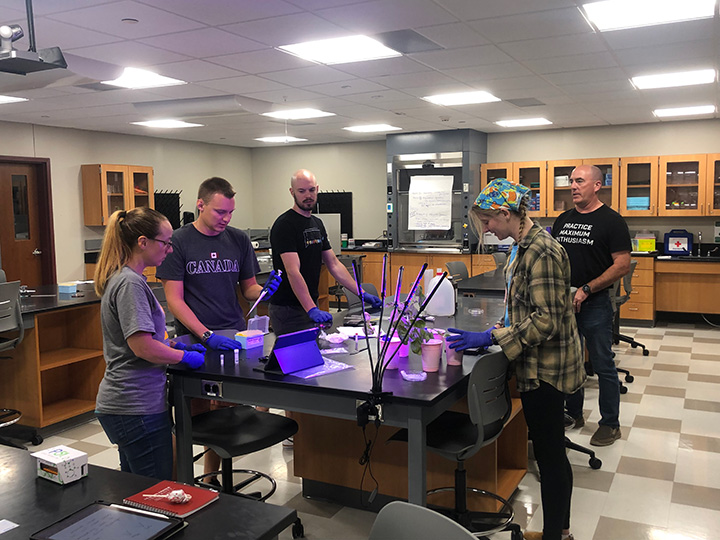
x=430, y=203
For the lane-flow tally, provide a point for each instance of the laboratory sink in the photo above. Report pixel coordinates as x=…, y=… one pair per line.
x=698, y=259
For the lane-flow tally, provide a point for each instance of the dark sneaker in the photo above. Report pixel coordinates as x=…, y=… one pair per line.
x=605, y=436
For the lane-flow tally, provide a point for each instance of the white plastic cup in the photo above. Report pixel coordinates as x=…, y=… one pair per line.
x=431, y=354
x=393, y=346
x=453, y=356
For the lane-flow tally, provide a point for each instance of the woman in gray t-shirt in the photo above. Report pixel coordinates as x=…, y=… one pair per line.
x=132, y=401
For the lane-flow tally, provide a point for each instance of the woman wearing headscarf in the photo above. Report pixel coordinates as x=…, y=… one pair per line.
x=538, y=335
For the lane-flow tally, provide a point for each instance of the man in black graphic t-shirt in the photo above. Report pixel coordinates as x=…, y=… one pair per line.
x=598, y=245
x=299, y=247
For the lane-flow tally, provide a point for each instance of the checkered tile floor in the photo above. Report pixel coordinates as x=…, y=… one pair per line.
x=661, y=481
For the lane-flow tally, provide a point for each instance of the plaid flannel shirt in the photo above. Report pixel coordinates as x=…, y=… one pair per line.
x=542, y=341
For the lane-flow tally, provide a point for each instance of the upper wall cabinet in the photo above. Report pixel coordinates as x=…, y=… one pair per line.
x=681, y=190
x=712, y=189
x=107, y=188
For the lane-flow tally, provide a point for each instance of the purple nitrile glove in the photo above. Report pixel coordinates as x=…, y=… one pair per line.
x=319, y=316
x=469, y=340
x=373, y=300
x=222, y=343
x=272, y=284
x=193, y=359
x=197, y=347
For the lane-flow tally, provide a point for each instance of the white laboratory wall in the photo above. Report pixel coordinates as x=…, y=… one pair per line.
x=356, y=167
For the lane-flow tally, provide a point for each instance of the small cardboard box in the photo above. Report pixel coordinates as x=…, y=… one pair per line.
x=250, y=339
x=61, y=464
x=67, y=287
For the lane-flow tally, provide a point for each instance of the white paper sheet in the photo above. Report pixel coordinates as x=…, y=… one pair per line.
x=430, y=203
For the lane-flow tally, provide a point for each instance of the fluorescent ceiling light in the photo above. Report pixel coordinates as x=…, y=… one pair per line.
x=685, y=111
x=524, y=122
x=298, y=114
x=372, y=128
x=670, y=80
x=341, y=50
x=281, y=139
x=11, y=99
x=462, y=98
x=618, y=14
x=166, y=124
x=141, y=78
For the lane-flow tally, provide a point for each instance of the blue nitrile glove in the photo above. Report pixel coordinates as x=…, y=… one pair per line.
x=272, y=284
x=373, y=300
x=197, y=347
x=222, y=343
x=193, y=359
x=469, y=340
x=319, y=316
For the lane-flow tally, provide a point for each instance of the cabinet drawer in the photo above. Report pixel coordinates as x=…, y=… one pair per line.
x=645, y=278
x=636, y=310
x=642, y=295
x=644, y=263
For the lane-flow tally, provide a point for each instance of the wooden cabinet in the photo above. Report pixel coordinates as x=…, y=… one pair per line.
x=682, y=183
x=107, y=188
x=55, y=372
x=493, y=171
x=641, y=304
x=639, y=186
x=712, y=186
x=533, y=175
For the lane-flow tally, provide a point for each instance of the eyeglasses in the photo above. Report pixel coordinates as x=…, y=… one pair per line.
x=168, y=244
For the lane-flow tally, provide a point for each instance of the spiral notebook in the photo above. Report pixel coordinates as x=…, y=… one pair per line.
x=201, y=497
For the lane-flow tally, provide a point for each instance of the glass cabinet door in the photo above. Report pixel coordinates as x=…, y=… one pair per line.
x=681, y=187
x=533, y=174
x=114, y=182
x=493, y=171
x=142, y=187
x=639, y=186
x=559, y=196
x=712, y=190
x=610, y=168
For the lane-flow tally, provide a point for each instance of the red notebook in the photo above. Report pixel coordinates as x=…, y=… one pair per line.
x=201, y=497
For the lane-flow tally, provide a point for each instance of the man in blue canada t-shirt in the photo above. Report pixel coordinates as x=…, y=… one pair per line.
x=597, y=242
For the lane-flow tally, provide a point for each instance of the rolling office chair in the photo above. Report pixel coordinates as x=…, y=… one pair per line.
x=457, y=270
x=459, y=436
x=399, y=520
x=12, y=332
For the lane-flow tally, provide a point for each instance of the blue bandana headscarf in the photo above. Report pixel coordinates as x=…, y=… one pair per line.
x=501, y=193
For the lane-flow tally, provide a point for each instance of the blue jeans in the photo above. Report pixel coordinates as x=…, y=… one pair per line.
x=595, y=323
x=144, y=442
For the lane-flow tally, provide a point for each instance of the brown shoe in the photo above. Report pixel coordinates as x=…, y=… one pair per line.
x=605, y=436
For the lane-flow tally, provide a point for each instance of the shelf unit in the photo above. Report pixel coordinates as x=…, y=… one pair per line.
x=55, y=372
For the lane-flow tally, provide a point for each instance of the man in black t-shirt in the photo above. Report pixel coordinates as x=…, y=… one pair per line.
x=299, y=248
x=597, y=242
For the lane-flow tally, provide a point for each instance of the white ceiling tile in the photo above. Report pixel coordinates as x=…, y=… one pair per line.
x=456, y=58
x=470, y=10
x=203, y=43
x=225, y=12
x=262, y=61
x=196, y=70
x=288, y=29
x=452, y=35
x=386, y=15
x=129, y=54
x=307, y=76
x=572, y=63
x=108, y=18
x=540, y=24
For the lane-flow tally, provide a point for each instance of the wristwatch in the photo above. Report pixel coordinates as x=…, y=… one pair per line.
x=206, y=336
x=586, y=289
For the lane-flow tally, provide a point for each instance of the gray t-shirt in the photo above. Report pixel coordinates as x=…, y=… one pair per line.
x=131, y=385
